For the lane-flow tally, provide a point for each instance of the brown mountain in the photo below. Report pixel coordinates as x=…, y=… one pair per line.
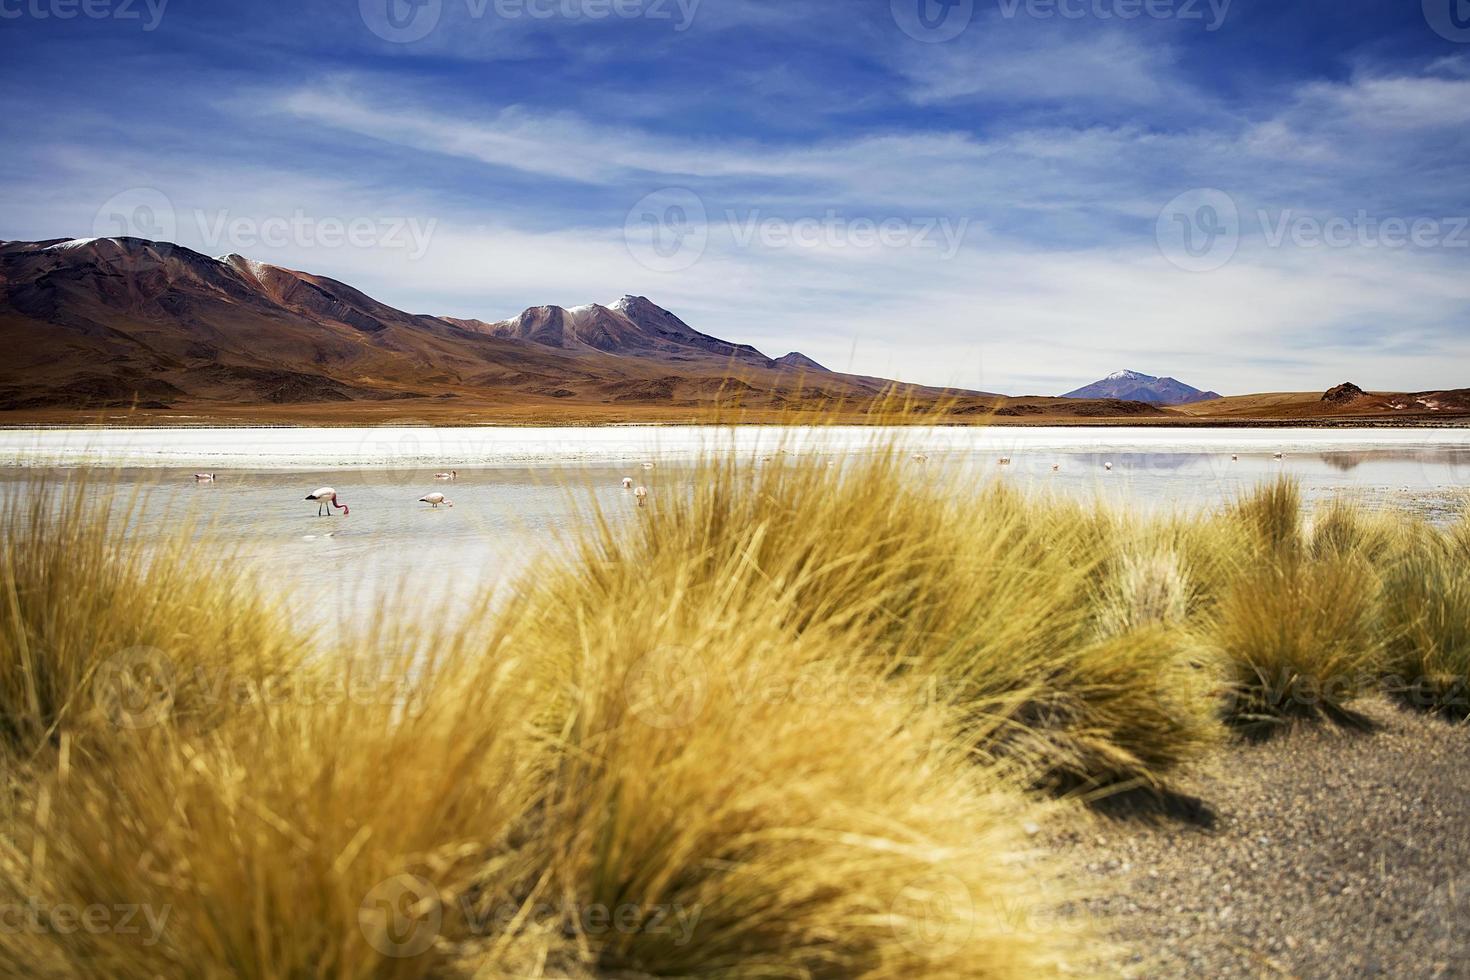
x=123, y=321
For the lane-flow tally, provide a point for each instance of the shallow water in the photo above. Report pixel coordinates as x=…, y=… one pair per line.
x=519, y=490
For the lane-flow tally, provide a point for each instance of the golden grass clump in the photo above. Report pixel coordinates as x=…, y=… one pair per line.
x=96, y=633
x=1343, y=528
x=1145, y=587
x=1427, y=621
x=982, y=596
x=1272, y=517
x=1299, y=639
x=566, y=786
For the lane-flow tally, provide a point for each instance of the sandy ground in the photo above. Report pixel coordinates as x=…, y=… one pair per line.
x=1322, y=853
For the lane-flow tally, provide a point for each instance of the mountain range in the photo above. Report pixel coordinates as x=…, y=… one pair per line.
x=113, y=322
x=1136, y=386
x=131, y=330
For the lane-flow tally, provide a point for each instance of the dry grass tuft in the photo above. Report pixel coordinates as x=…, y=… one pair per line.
x=1427, y=621
x=557, y=791
x=96, y=633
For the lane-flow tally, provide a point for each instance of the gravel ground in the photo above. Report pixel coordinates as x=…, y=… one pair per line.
x=1331, y=854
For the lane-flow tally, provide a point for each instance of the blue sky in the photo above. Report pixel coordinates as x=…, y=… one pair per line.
x=1014, y=195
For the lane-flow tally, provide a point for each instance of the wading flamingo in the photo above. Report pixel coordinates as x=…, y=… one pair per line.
x=648, y=466
x=642, y=494
x=1056, y=467
x=1235, y=457
x=326, y=498
x=203, y=477
x=436, y=499
x=451, y=475
x=1108, y=466
x=1278, y=456
x=627, y=483
x=1005, y=461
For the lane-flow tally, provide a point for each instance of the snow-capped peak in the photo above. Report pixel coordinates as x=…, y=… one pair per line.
x=72, y=243
x=1130, y=376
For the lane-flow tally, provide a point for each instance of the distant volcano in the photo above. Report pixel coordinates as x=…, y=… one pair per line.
x=1138, y=387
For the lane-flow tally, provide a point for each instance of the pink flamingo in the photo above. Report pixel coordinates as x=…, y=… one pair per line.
x=327, y=498
x=436, y=499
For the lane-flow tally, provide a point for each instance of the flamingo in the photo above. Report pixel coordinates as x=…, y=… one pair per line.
x=327, y=498
x=627, y=483
x=1278, y=456
x=920, y=458
x=451, y=475
x=436, y=499
x=203, y=477
x=642, y=494
x=1234, y=457
x=1108, y=466
x=1005, y=461
x=1056, y=467
x=648, y=466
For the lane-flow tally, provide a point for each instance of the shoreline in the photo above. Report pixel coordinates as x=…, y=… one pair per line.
x=1060, y=422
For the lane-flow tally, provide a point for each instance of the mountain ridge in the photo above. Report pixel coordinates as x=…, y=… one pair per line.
x=1131, y=385
x=116, y=321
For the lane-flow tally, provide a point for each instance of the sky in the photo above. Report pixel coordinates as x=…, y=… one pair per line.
x=1005, y=195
